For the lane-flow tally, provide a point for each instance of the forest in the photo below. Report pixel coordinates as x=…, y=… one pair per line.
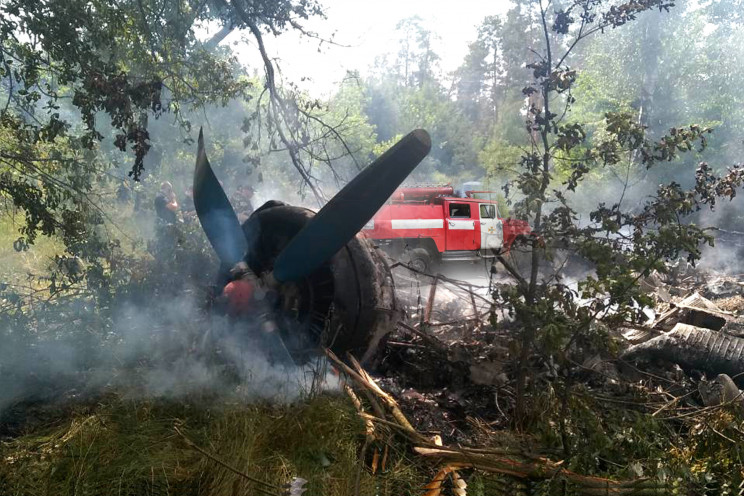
x=176, y=319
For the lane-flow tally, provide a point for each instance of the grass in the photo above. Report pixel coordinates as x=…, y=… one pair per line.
x=129, y=447
x=15, y=265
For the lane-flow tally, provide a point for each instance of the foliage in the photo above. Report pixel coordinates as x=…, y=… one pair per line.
x=413, y=97
x=563, y=323
x=77, y=74
x=489, y=81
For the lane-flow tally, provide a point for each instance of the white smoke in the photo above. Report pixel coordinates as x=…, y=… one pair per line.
x=728, y=220
x=169, y=348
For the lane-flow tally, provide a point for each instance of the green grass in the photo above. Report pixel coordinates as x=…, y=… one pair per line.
x=129, y=447
x=14, y=265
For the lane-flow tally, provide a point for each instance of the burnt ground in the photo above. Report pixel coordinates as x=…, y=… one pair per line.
x=451, y=373
x=446, y=365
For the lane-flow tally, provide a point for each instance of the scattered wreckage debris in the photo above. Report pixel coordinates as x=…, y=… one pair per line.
x=699, y=337
x=693, y=333
x=720, y=391
x=518, y=470
x=695, y=310
x=694, y=347
x=447, y=366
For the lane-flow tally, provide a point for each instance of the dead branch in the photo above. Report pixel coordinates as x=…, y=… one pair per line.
x=542, y=469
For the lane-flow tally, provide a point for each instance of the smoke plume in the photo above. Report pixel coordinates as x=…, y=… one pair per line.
x=169, y=348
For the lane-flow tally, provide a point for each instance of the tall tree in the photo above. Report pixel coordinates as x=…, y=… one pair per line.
x=416, y=61
x=622, y=242
x=490, y=81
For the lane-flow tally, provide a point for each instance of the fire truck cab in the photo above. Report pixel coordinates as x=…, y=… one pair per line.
x=428, y=225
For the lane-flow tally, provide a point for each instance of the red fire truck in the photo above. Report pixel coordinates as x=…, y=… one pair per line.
x=426, y=226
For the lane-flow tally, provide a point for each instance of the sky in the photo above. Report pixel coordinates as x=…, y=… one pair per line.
x=366, y=29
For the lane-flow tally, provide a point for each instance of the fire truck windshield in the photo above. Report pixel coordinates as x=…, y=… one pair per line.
x=488, y=212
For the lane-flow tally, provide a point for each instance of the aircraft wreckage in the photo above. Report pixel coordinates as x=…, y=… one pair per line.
x=309, y=280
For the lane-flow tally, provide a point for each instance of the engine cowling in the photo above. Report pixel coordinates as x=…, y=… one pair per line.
x=348, y=305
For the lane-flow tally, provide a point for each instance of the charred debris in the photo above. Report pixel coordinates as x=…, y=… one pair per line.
x=448, y=361
x=670, y=386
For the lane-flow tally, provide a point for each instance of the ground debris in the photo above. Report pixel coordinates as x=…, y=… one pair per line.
x=692, y=330
x=698, y=311
x=721, y=390
x=443, y=396
x=694, y=347
x=456, y=378
x=510, y=459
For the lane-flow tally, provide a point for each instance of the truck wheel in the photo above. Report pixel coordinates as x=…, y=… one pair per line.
x=421, y=260
x=347, y=305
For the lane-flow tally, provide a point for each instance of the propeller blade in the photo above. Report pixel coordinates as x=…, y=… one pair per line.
x=347, y=212
x=216, y=215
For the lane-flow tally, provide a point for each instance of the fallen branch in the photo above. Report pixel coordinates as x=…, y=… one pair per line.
x=543, y=469
x=386, y=398
x=434, y=488
x=369, y=426
x=518, y=465
x=359, y=380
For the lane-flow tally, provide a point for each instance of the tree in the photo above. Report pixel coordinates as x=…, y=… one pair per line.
x=69, y=62
x=416, y=61
x=490, y=80
x=471, y=80
x=687, y=76
x=622, y=242
x=412, y=96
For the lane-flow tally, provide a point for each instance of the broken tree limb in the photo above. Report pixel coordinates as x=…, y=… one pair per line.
x=431, y=340
x=434, y=488
x=694, y=348
x=386, y=398
x=370, y=433
x=370, y=436
x=540, y=469
x=363, y=379
x=519, y=465
x=413, y=436
x=352, y=374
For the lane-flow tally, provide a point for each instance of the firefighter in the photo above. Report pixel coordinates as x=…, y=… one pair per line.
x=166, y=205
x=167, y=233
x=123, y=193
x=241, y=202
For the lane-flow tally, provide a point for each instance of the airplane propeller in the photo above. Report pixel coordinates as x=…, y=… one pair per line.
x=328, y=231
x=216, y=215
